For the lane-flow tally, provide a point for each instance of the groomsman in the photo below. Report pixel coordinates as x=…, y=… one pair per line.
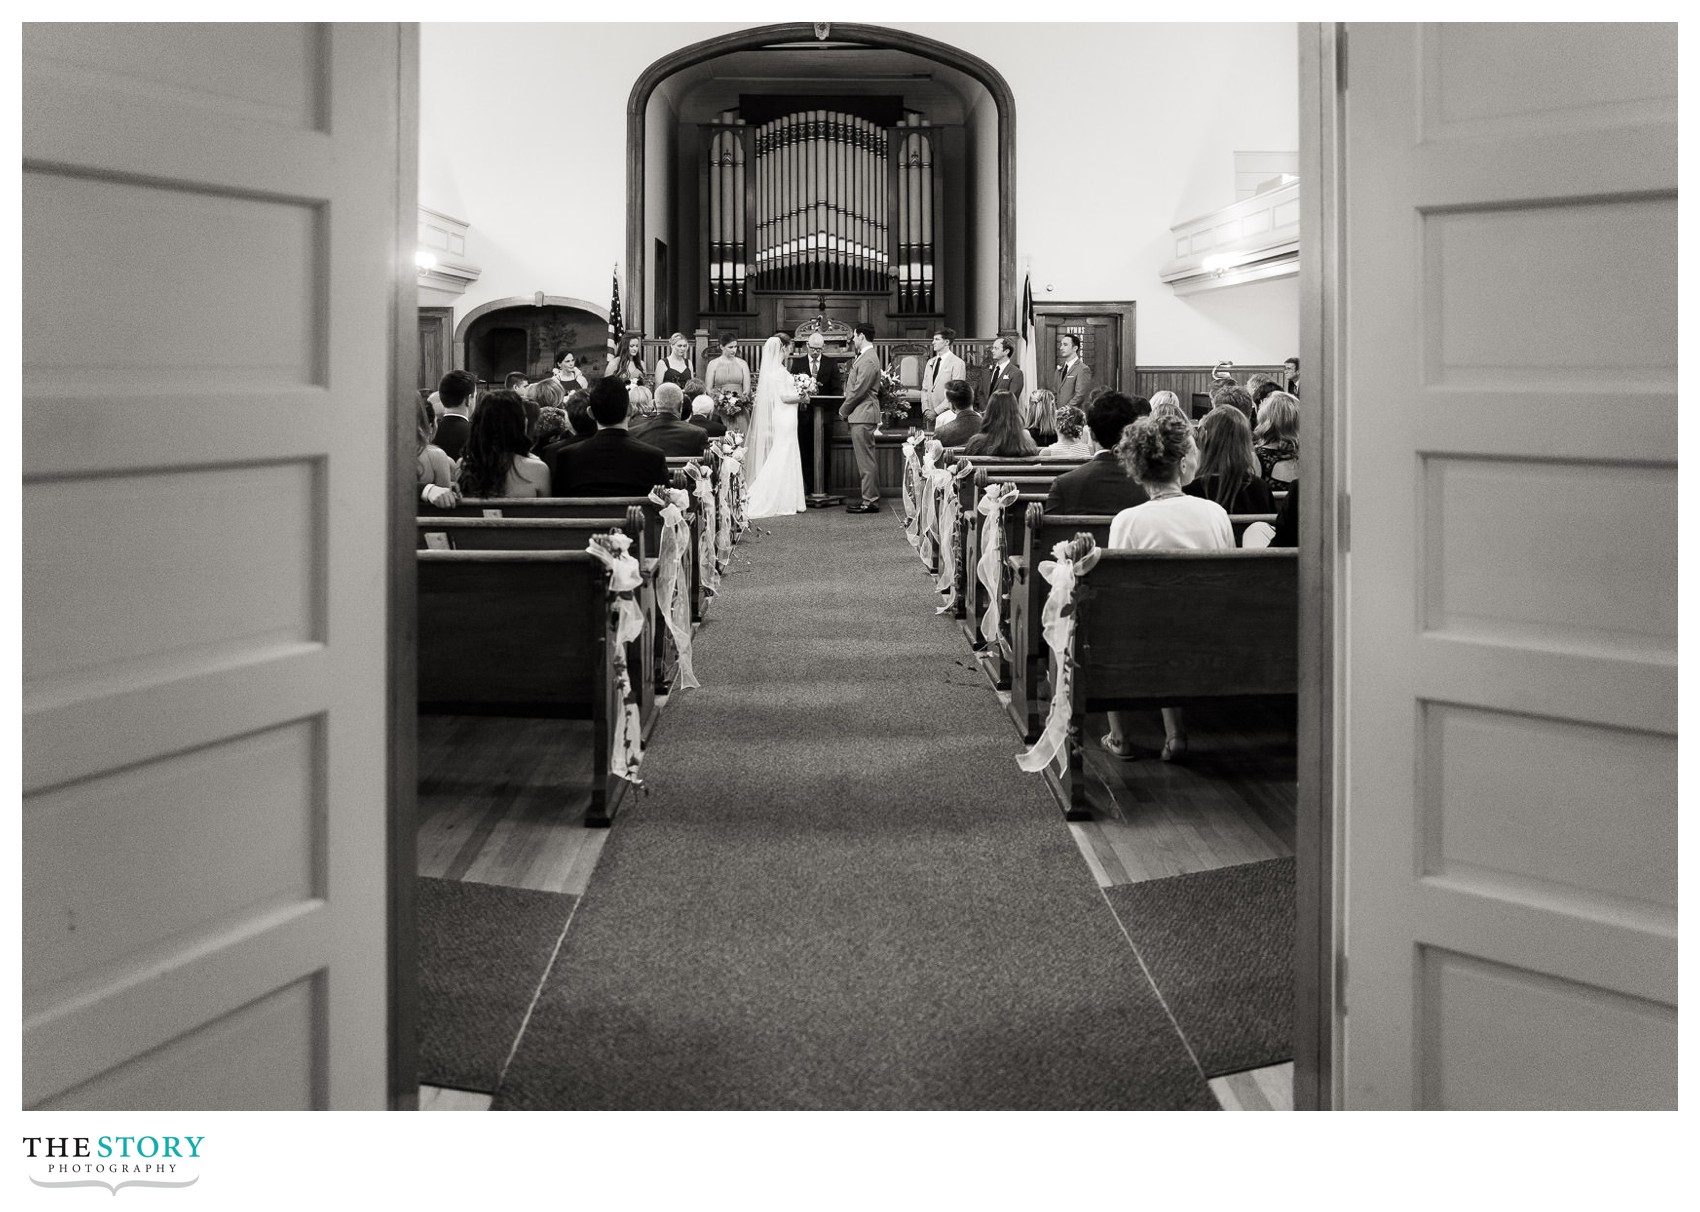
x=861, y=411
x=1074, y=377
x=1006, y=375
x=943, y=368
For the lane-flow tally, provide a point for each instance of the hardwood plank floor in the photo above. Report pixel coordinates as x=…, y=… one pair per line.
x=1269, y=1089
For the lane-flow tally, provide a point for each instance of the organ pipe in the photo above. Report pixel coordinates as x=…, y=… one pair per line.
x=822, y=193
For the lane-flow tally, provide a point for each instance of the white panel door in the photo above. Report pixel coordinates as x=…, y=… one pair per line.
x=1510, y=261
x=209, y=278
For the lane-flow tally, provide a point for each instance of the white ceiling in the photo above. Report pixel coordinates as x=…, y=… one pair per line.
x=941, y=93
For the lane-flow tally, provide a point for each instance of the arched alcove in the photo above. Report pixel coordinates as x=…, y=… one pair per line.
x=995, y=183
x=555, y=322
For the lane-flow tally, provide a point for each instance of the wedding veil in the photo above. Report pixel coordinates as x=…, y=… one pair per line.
x=770, y=387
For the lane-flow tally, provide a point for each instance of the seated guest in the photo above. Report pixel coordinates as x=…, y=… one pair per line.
x=1277, y=440
x=516, y=381
x=643, y=408
x=434, y=468
x=1285, y=532
x=1160, y=453
x=1100, y=486
x=1235, y=397
x=455, y=391
x=1141, y=406
x=1043, y=426
x=1263, y=392
x=1072, y=442
x=1227, y=465
x=498, y=461
x=964, y=419
x=610, y=463
x=693, y=389
x=956, y=394
x=1164, y=399
x=1001, y=433
x=1258, y=380
x=666, y=432
x=703, y=416
x=551, y=428
x=580, y=424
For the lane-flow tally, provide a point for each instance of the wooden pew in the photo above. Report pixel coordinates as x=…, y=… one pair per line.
x=970, y=594
x=1165, y=628
x=1021, y=644
x=474, y=660
x=566, y=534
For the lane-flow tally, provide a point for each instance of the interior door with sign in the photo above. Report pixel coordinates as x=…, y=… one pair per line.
x=1510, y=380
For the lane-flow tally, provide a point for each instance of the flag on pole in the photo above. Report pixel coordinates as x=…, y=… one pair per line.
x=1029, y=358
x=616, y=326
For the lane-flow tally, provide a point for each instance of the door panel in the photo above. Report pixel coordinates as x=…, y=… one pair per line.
x=205, y=560
x=1510, y=796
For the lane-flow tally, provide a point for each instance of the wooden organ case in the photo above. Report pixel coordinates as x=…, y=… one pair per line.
x=820, y=213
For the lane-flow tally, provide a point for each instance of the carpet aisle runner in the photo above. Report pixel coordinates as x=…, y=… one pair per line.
x=841, y=892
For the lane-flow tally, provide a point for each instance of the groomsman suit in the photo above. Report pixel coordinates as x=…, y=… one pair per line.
x=1008, y=378
x=1076, y=383
x=826, y=375
x=941, y=370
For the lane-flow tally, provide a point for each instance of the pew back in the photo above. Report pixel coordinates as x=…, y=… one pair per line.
x=525, y=534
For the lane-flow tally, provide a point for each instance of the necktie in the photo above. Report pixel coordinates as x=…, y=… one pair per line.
x=933, y=371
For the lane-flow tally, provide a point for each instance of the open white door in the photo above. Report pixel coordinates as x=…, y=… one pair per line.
x=1510, y=405
x=210, y=223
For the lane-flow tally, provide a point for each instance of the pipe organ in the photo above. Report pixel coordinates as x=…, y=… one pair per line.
x=820, y=201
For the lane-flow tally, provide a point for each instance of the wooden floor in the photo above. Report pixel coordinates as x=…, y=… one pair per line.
x=502, y=802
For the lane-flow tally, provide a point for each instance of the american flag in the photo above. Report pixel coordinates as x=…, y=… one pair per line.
x=615, y=326
x=1029, y=356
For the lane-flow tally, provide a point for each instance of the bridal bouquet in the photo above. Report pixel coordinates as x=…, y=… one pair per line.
x=729, y=403
x=894, y=398
x=806, y=387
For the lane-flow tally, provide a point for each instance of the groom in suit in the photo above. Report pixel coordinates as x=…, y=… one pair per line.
x=861, y=409
x=824, y=370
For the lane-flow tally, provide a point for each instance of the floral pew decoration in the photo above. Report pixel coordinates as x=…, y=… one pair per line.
x=1071, y=559
x=673, y=578
x=708, y=534
x=624, y=578
x=730, y=493
x=950, y=517
x=934, y=481
x=913, y=449
x=990, y=570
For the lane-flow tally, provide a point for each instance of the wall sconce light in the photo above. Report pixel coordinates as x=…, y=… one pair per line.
x=425, y=260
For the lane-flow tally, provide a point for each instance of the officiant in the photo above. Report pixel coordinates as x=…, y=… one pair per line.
x=829, y=375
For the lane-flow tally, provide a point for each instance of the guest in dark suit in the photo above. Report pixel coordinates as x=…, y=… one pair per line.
x=1005, y=374
x=702, y=416
x=666, y=432
x=964, y=421
x=611, y=463
x=455, y=391
x=829, y=377
x=1100, y=486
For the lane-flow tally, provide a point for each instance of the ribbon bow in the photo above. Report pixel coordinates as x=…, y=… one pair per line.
x=673, y=577
x=624, y=576
x=1074, y=558
x=993, y=502
x=703, y=486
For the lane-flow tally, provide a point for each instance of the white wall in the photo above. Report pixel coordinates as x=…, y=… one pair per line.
x=1122, y=131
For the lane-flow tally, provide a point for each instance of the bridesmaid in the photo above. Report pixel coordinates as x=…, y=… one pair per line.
x=629, y=367
x=730, y=371
x=676, y=366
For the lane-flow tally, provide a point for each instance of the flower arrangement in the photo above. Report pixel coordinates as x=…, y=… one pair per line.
x=806, y=387
x=730, y=403
x=893, y=397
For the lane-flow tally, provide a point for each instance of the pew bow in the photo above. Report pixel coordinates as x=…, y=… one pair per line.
x=708, y=566
x=624, y=577
x=1073, y=559
x=993, y=502
x=672, y=577
x=911, y=475
x=950, y=517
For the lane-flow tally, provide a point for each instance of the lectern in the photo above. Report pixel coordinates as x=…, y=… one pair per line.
x=823, y=406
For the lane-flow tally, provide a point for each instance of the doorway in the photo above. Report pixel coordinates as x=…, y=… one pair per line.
x=1106, y=335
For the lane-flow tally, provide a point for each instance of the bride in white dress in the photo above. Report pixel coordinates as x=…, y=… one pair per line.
x=775, y=459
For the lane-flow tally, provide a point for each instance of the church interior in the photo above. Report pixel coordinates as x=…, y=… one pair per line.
x=377, y=786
